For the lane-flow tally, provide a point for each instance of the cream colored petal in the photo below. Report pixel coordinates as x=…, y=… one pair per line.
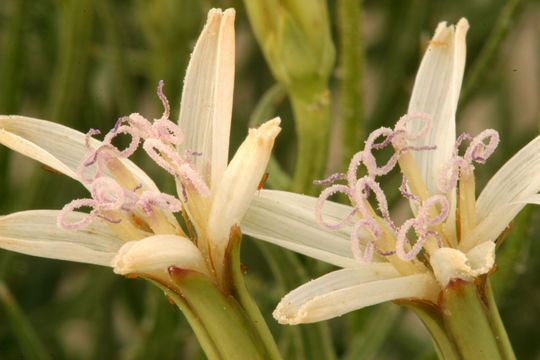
x=154, y=254
x=36, y=233
x=206, y=107
x=288, y=220
x=506, y=194
x=436, y=92
x=233, y=194
x=345, y=290
x=55, y=145
x=533, y=199
x=482, y=258
x=449, y=263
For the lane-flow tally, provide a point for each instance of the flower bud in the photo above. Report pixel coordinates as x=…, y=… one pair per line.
x=295, y=39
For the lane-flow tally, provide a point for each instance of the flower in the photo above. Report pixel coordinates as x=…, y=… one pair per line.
x=448, y=237
x=131, y=226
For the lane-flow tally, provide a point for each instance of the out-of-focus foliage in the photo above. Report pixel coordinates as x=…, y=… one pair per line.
x=84, y=63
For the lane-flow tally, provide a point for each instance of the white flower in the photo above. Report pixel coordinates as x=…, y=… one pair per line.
x=131, y=225
x=382, y=261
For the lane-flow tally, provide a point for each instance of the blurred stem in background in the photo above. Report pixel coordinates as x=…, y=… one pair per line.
x=351, y=52
x=10, y=71
x=296, y=42
x=494, y=41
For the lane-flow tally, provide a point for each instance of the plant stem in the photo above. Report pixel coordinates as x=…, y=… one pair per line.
x=224, y=317
x=312, y=118
x=471, y=317
x=497, y=324
x=352, y=73
x=466, y=323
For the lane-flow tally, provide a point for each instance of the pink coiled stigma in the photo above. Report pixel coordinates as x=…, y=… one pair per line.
x=420, y=224
x=160, y=139
x=168, y=158
x=359, y=190
x=477, y=151
x=108, y=196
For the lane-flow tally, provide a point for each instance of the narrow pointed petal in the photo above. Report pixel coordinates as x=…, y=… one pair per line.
x=153, y=255
x=232, y=196
x=55, y=145
x=288, y=220
x=436, y=92
x=206, y=107
x=36, y=233
x=506, y=194
x=345, y=290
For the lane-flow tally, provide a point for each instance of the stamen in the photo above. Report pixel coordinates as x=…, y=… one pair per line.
x=478, y=151
x=112, y=221
x=128, y=151
x=325, y=194
x=163, y=98
x=367, y=255
x=118, y=123
x=369, y=160
x=72, y=206
x=353, y=167
x=370, y=247
x=168, y=131
x=160, y=200
x=107, y=194
x=89, y=134
x=181, y=169
x=405, y=193
x=421, y=224
x=331, y=179
x=360, y=196
x=401, y=126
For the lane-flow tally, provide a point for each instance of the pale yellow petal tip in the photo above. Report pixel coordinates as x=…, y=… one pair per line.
x=285, y=316
x=157, y=253
x=227, y=14
x=462, y=25
x=269, y=130
x=444, y=33
x=123, y=262
x=449, y=263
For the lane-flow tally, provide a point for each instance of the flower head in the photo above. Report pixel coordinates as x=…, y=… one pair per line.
x=451, y=233
x=130, y=224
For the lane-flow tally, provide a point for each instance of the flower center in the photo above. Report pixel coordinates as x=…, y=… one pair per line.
x=374, y=232
x=117, y=197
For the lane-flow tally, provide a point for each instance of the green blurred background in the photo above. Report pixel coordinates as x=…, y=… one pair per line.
x=84, y=63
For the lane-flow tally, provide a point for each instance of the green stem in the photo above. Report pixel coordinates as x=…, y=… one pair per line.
x=30, y=344
x=470, y=322
x=312, y=118
x=309, y=341
x=430, y=316
x=218, y=320
x=197, y=325
x=352, y=73
x=466, y=324
x=240, y=292
x=497, y=324
x=225, y=318
x=10, y=68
